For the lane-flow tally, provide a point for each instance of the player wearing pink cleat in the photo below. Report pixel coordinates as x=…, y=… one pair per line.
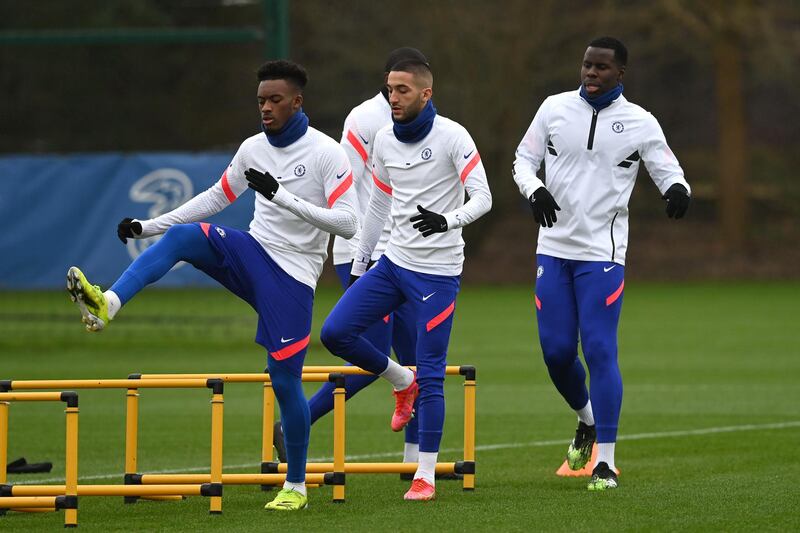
x=404, y=405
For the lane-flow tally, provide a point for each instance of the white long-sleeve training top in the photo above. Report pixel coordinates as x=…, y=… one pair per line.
x=591, y=161
x=358, y=139
x=434, y=173
x=315, y=198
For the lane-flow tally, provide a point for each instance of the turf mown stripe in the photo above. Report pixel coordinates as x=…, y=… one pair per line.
x=483, y=448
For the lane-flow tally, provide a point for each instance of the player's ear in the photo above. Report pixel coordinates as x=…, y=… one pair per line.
x=427, y=94
x=621, y=73
x=297, y=101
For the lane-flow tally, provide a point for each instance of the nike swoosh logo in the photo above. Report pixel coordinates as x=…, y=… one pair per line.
x=609, y=268
x=340, y=176
x=286, y=340
x=363, y=139
x=425, y=298
x=469, y=154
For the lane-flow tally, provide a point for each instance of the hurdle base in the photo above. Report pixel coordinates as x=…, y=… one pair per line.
x=131, y=499
x=215, y=512
x=265, y=469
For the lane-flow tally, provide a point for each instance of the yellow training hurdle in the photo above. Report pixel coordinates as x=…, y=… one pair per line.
x=334, y=472
x=39, y=496
x=67, y=496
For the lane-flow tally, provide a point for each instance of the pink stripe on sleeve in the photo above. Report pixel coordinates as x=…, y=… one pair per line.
x=357, y=145
x=340, y=190
x=226, y=187
x=381, y=185
x=467, y=169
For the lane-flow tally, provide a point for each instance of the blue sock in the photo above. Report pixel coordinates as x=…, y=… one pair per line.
x=294, y=419
x=183, y=242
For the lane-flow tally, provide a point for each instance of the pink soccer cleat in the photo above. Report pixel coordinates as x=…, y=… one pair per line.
x=420, y=491
x=404, y=405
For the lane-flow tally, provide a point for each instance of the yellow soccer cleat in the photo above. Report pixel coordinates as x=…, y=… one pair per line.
x=89, y=299
x=603, y=478
x=287, y=500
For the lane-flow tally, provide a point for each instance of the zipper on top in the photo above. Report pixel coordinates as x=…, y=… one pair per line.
x=591, y=131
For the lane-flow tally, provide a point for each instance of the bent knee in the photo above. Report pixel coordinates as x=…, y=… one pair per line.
x=335, y=336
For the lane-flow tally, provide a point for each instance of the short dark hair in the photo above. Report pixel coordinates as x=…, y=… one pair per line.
x=415, y=67
x=620, y=52
x=403, y=54
x=284, y=70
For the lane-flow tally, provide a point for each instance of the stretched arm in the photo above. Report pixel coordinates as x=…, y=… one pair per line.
x=202, y=206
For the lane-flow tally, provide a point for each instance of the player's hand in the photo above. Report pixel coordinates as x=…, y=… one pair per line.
x=356, y=277
x=261, y=182
x=128, y=229
x=677, y=198
x=428, y=222
x=544, y=207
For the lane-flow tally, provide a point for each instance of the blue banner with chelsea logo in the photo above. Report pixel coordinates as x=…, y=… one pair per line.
x=58, y=211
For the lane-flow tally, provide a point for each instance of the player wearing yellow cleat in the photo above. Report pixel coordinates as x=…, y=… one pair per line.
x=89, y=299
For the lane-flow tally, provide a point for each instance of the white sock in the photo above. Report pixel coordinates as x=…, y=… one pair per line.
x=297, y=487
x=411, y=453
x=605, y=454
x=427, y=467
x=399, y=376
x=114, y=304
x=585, y=414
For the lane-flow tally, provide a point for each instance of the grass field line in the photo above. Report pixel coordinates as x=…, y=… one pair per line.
x=481, y=448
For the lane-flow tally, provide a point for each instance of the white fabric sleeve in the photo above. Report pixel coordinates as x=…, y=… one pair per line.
x=208, y=203
x=472, y=174
x=380, y=204
x=530, y=153
x=661, y=163
x=340, y=216
x=358, y=153
x=340, y=219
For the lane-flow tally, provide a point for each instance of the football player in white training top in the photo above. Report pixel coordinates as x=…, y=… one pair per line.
x=304, y=192
x=422, y=165
x=591, y=141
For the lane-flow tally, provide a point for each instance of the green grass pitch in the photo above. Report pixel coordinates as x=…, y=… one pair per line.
x=709, y=434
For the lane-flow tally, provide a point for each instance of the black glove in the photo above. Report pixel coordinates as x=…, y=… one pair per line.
x=353, y=277
x=428, y=222
x=544, y=207
x=677, y=198
x=128, y=229
x=260, y=182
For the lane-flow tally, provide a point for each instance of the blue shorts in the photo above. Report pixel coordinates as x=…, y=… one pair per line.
x=284, y=305
x=427, y=301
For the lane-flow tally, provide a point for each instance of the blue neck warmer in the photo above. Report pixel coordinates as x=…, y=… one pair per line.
x=417, y=129
x=294, y=128
x=604, y=100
